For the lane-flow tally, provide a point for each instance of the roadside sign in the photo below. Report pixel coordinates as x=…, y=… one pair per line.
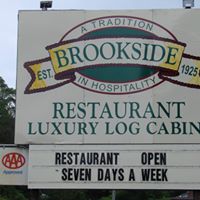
x=128, y=77
x=114, y=167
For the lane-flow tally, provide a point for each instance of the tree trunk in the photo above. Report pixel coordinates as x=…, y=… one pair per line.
x=34, y=194
x=196, y=194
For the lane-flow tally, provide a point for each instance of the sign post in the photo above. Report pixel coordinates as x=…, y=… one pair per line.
x=113, y=194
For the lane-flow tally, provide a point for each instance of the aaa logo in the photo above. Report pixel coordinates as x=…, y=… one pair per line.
x=13, y=160
x=115, y=55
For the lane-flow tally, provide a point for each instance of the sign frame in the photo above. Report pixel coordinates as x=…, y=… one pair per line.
x=115, y=167
x=162, y=113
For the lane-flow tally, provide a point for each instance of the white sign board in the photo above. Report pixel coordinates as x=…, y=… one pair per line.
x=114, y=167
x=126, y=77
x=13, y=165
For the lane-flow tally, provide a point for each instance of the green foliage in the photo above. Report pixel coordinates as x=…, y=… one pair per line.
x=3, y=198
x=131, y=195
x=106, y=198
x=65, y=195
x=76, y=194
x=97, y=194
x=11, y=193
x=7, y=119
x=7, y=113
x=144, y=195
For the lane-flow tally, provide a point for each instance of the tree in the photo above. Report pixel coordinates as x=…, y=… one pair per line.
x=11, y=193
x=146, y=194
x=7, y=121
x=7, y=113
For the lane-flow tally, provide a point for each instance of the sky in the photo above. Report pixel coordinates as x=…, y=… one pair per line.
x=9, y=21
